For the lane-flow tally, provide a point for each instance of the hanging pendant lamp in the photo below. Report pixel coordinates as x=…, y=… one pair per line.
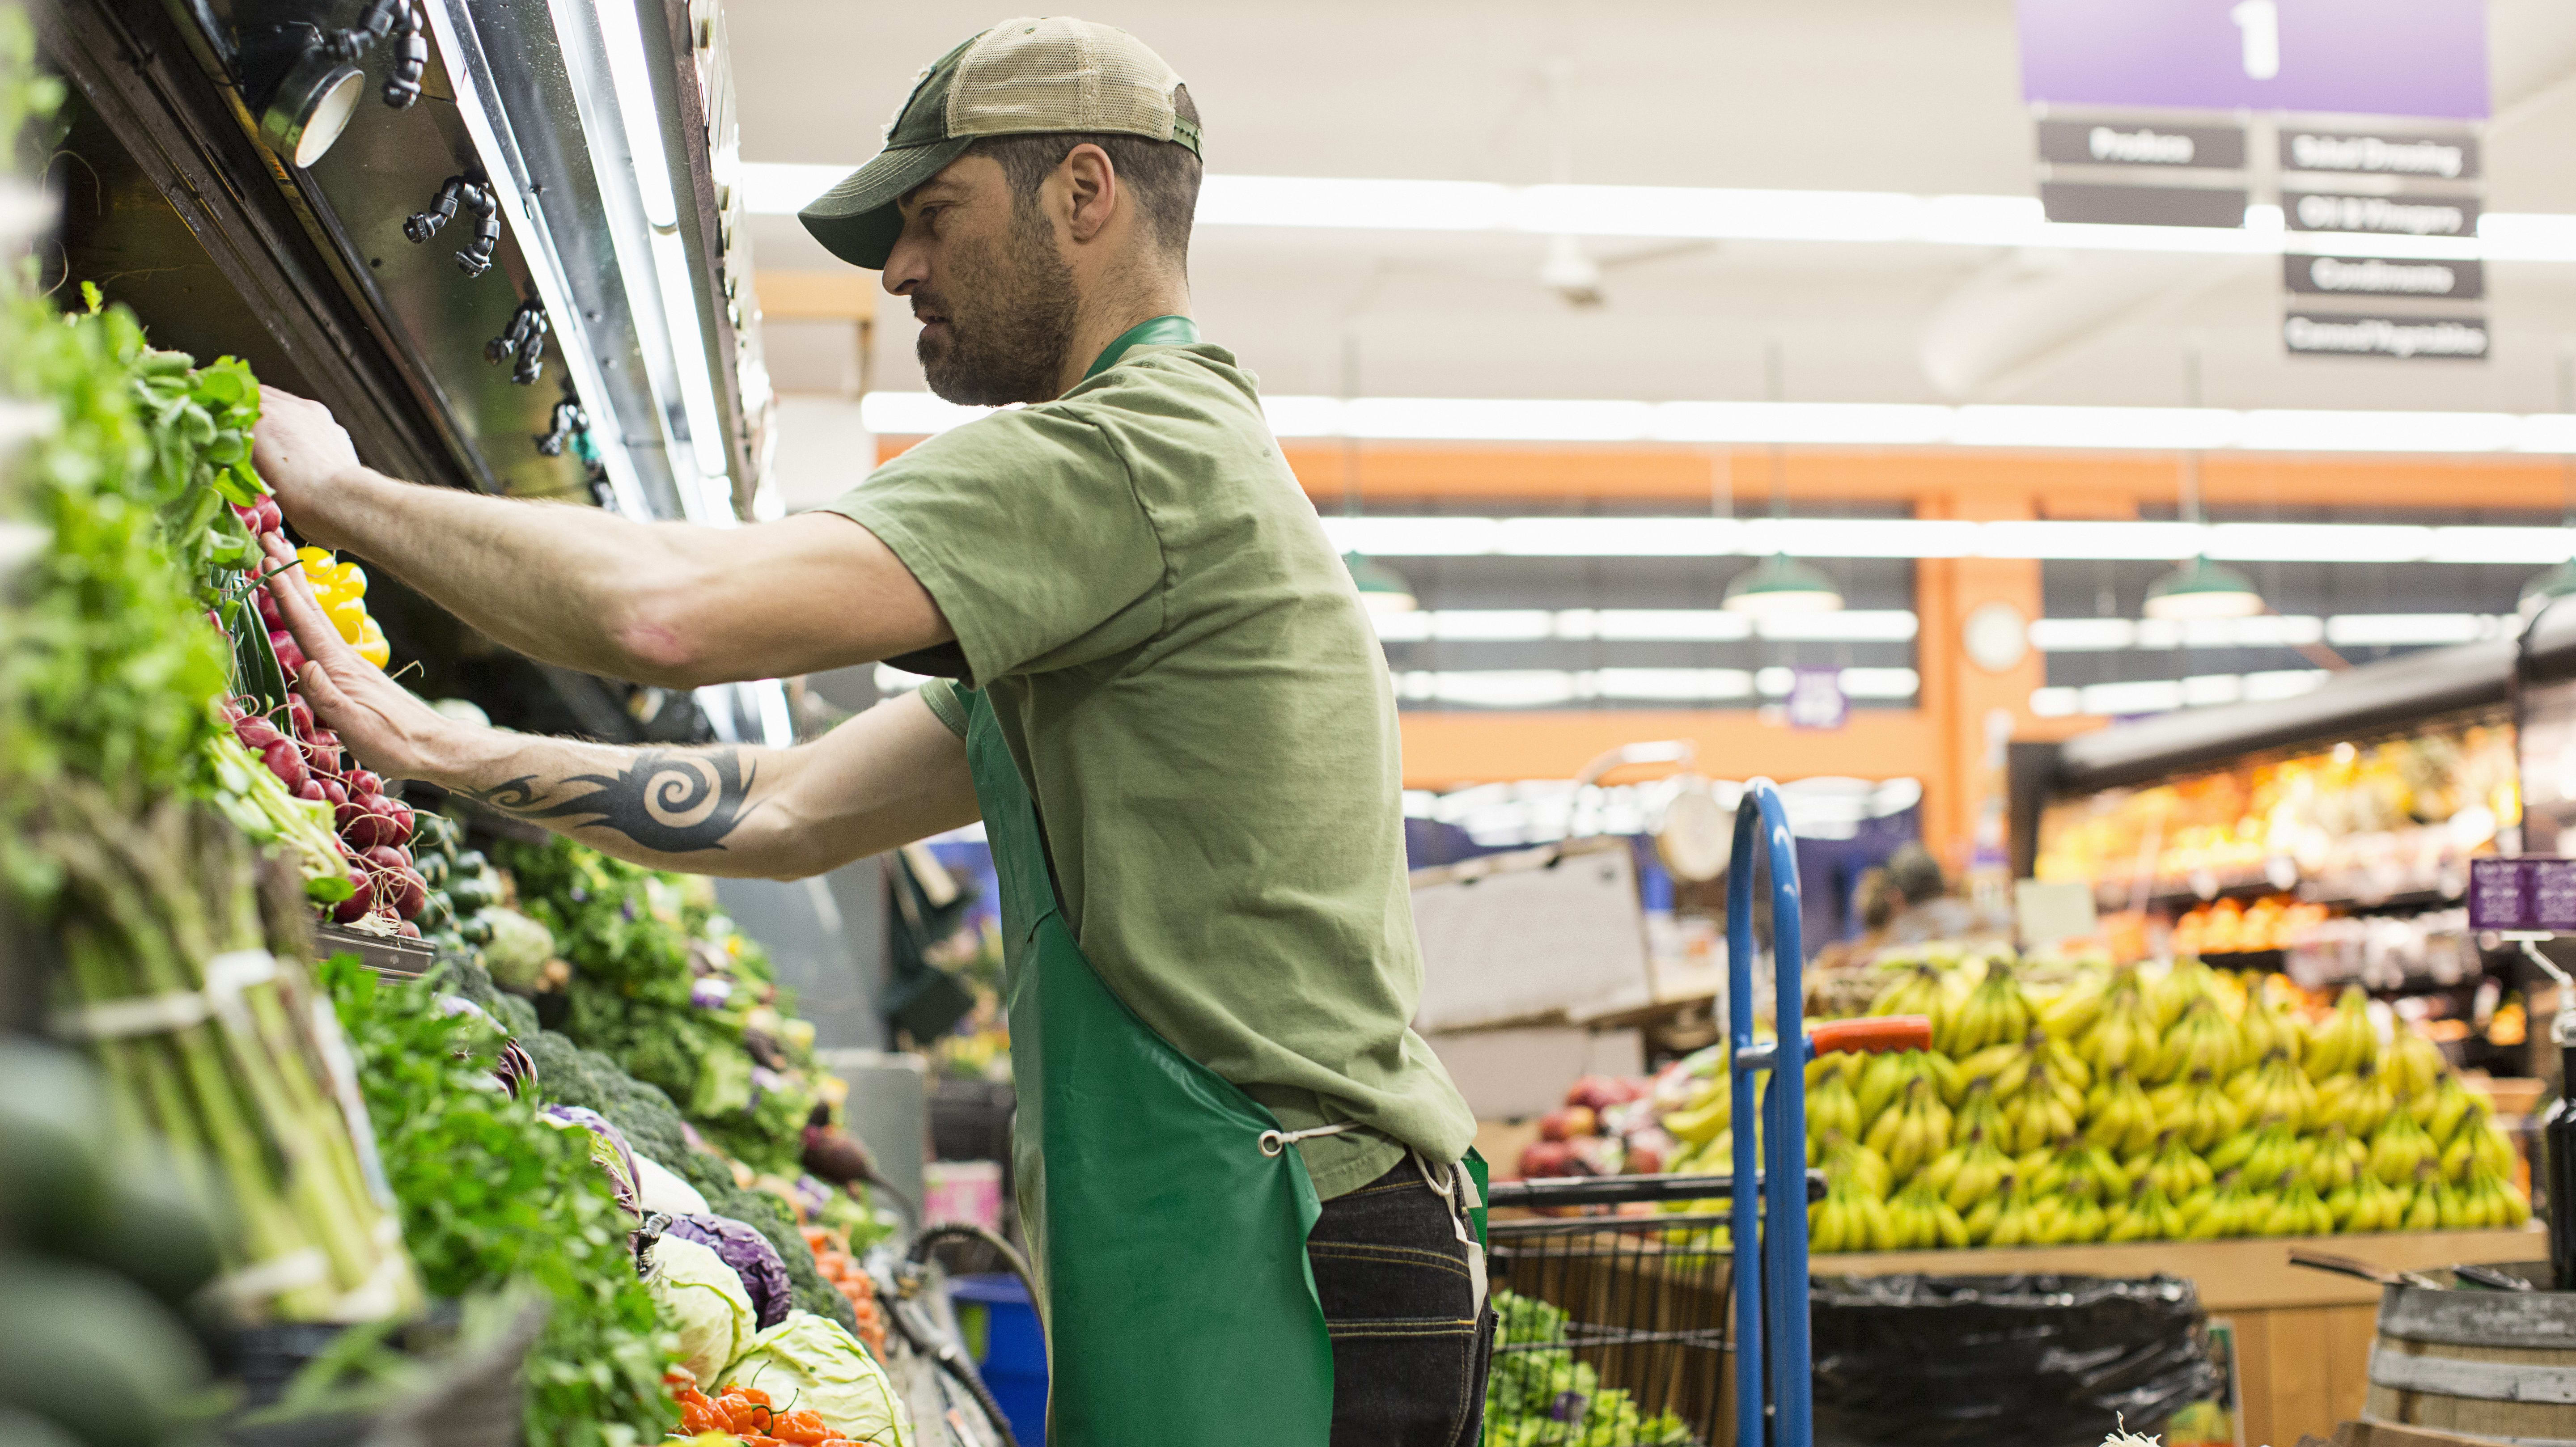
x=2203, y=589
x=1781, y=584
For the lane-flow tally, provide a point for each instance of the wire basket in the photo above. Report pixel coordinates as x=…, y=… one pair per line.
x=1614, y=1332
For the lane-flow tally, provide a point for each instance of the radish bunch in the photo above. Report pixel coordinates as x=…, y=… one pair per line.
x=373, y=827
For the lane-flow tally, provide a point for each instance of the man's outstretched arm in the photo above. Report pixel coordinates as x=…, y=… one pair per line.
x=664, y=603
x=889, y=776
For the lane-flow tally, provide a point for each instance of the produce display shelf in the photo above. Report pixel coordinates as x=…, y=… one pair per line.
x=2167, y=893
x=2301, y=1338
x=390, y=958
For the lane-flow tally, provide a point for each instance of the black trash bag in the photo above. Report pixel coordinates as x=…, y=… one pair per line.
x=2003, y=1361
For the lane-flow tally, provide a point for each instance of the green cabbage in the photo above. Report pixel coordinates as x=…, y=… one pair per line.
x=702, y=1299
x=808, y=1361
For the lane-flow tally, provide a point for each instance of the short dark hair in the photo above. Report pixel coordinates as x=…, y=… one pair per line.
x=1162, y=175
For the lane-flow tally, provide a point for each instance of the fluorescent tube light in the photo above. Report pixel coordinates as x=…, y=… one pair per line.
x=1725, y=213
x=1691, y=537
x=1643, y=625
x=1848, y=424
x=2082, y=635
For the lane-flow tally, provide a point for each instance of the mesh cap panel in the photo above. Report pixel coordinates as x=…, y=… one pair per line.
x=1061, y=74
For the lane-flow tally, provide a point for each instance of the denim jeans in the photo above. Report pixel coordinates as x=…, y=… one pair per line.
x=1411, y=1338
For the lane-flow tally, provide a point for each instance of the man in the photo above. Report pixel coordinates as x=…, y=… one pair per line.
x=1161, y=695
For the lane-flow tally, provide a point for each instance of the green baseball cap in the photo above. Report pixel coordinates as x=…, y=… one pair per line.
x=1024, y=76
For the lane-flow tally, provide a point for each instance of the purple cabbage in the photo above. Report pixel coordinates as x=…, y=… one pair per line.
x=750, y=1255
x=619, y=1160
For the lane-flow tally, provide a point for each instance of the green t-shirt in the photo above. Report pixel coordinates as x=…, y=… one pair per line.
x=1185, y=674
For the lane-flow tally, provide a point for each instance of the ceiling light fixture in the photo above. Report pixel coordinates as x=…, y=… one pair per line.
x=1781, y=584
x=2203, y=589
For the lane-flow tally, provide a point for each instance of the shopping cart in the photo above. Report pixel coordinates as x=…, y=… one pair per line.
x=1642, y=1299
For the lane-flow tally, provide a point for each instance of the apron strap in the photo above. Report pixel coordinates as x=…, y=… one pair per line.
x=1275, y=1141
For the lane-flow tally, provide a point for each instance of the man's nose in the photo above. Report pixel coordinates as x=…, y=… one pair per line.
x=906, y=266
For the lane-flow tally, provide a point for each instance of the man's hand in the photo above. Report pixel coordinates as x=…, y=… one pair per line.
x=302, y=454
x=391, y=731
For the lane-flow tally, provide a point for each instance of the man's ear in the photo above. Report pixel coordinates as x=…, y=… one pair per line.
x=1091, y=185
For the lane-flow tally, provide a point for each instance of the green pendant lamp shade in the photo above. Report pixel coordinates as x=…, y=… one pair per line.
x=2203, y=589
x=1382, y=589
x=1781, y=584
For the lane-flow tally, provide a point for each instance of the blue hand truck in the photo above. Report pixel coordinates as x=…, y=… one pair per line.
x=1770, y=1228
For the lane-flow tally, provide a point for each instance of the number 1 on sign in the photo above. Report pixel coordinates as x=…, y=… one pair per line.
x=2258, y=24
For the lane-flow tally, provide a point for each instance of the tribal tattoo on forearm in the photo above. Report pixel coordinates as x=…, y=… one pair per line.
x=670, y=801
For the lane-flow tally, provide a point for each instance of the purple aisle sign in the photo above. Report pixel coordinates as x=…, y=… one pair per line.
x=2500, y=894
x=2352, y=57
x=1816, y=699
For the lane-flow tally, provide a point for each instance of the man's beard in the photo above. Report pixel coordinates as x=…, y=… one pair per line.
x=1010, y=313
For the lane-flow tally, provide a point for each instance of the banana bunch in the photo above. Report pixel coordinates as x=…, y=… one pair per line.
x=1911, y=1131
x=2195, y=1110
x=2413, y=1065
x=2147, y=1214
x=1919, y=1220
x=1995, y=1011
x=2063, y=1220
x=2262, y=1157
x=2401, y=1152
x=2200, y=1041
x=2070, y=1012
x=2480, y=1153
x=2174, y=1170
x=2119, y=1029
x=2298, y=1211
x=2042, y=1169
x=2225, y=1207
x=2093, y=1173
x=2486, y=1203
x=1978, y=1114
x=2048, y=1110
x=2004, y=1218
x=1832, y=1106
x=1918, y=987
x=2367, y=1204
x=2185, y=982
x=1706, y=1113
x=2345, y=1043
x=1849, y=1218
x=2358, y=1100
x=2117, y=1114
x=2424, y=1197
x=2447, y=1106
x=1968, y=1172
x=2275, y=1089
x=2266, y=1026
x=1847, y=1159
x=1884, y=1079
x=2334, y=1159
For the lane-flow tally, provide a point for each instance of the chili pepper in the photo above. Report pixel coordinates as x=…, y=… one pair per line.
x=804, y=1426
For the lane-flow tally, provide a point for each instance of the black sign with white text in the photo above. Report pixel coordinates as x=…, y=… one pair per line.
x=2398, y=215
x=2121, y=143
x=2452, y=157
x=2105, y=205
x=2399, y=338
x=2376, y=276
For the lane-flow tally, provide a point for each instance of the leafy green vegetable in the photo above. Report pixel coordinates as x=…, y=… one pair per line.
x=1539, y=1394
x=490, y=1195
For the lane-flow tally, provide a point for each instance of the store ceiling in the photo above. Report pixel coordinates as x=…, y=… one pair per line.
x=1917, y=96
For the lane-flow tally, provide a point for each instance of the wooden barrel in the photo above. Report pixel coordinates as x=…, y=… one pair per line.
x=2497, y=1365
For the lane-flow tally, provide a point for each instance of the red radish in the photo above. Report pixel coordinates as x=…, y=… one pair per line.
x=357, y=906
x=311, y=791
x=363, y=782
x=397, y=816
x=409, y=892
x=270, y=518
x=386, y=856
x=351, y=812
x=268, y=613
x=257, y=733
x=407, y=930
x=332, y=794
x=289, y=657
x=285, y=763
x=300, y=713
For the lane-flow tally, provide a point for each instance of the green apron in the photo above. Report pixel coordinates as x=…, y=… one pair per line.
x=1168, y=1236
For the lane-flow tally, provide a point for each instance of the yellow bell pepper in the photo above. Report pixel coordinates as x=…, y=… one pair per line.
x=349, y=616
x=371, y=644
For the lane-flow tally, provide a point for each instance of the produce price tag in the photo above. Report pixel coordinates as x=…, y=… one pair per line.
x=2500, y=894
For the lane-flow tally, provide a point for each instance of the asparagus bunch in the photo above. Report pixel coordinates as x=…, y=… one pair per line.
x=234, y=1078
